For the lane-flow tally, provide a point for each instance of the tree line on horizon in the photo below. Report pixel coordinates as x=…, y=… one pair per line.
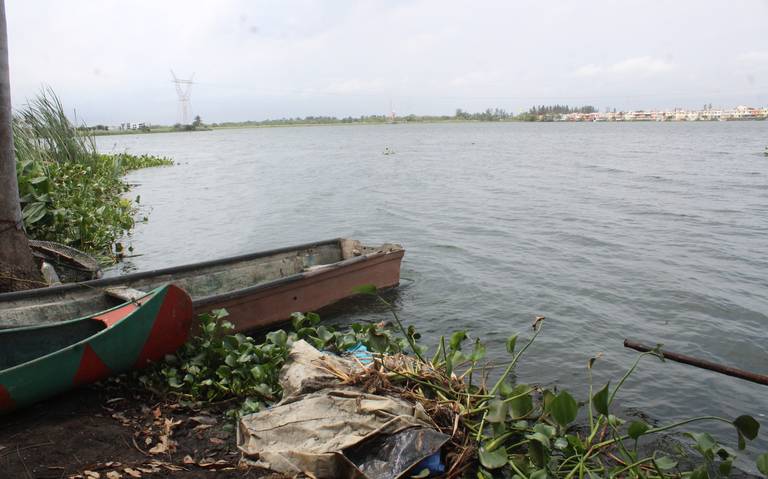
x=535, y=113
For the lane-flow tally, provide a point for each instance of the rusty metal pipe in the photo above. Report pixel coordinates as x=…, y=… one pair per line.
x=701, y=363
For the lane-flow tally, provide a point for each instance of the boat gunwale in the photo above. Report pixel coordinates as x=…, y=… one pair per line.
x=98, y=283
x=82, y=318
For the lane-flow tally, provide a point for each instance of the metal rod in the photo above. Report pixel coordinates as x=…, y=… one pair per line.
x=700, y=363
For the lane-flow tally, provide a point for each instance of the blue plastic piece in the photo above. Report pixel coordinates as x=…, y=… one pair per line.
x=433, y=463
x=361, y=353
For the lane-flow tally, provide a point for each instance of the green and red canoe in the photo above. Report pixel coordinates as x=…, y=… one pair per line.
x=38, y=362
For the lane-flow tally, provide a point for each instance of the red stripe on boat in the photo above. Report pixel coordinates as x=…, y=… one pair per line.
x=111, y=317
x=170, y=329
x=6, y=401
x=91, y=369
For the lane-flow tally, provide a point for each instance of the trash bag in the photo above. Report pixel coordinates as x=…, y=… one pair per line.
x=389, y=456
x=324, y=429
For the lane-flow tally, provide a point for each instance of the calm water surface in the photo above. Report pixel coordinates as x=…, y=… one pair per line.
x=657, y=232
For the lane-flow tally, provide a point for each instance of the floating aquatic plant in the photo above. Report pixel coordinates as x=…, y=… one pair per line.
x=498, y=428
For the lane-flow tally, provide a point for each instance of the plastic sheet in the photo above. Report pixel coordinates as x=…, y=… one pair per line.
x=324, y=429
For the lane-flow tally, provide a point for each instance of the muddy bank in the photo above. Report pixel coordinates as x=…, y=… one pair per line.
x=108, y=431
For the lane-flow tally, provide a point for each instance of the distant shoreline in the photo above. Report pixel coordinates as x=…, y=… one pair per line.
x=167, y=129
x=161, y=129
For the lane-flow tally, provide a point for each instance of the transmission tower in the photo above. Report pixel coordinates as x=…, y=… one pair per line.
x=184, y=92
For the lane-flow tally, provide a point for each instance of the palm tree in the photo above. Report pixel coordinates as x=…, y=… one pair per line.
x=17, y=268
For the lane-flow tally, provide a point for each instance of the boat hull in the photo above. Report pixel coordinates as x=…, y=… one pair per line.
x=259, y=290
x=260, y=307
x=42, y=361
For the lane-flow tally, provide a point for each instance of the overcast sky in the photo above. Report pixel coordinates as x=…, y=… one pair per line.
x=110, y=60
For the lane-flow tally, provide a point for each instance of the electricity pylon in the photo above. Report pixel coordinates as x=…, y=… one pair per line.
x=184, y=92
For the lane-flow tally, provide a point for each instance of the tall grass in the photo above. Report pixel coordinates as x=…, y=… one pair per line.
x=69, y=192
x=45, y=127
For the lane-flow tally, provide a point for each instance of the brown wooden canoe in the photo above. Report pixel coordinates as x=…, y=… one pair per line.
x=258, y=289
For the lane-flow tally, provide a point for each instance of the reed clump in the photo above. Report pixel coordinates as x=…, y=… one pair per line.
x=70, y=193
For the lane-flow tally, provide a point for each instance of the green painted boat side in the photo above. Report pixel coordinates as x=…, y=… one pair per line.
x=38, y=362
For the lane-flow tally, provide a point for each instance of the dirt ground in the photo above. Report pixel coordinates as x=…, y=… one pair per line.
x=109, y=432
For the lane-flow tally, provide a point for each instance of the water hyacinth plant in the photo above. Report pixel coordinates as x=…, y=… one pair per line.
x=70, y=193
x=498, y=428
x=218, y=365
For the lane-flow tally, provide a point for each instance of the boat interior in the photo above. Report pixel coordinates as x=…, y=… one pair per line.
x=23, y=345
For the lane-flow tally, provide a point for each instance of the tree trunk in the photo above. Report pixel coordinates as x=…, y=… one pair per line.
x=17, y=268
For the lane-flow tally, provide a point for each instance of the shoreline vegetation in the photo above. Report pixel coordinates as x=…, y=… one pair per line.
x=69, y=192
x=542, y=113
x=498, y=426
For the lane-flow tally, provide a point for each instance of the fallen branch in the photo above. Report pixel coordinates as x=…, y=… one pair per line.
x=701, y=363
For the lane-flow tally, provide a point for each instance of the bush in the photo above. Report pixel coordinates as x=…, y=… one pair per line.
x=69, y=192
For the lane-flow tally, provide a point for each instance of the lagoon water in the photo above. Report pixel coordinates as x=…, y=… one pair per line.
x=651, y=231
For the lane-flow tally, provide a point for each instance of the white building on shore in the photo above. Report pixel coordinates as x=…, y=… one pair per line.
x=739, y=113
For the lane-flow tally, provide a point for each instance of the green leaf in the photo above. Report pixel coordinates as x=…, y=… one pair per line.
x=575, y=442
x=456, y=340
x=483, y=474
x=278, y=338
x=505, y=389
x=37, y=180
x=478, y=352
x=33, y=212
x=511, y=344
x=377, y=342
x=725, y=467
x=297, y=321
x=703, y=440
x=313, y=318
x=497, y=411
x=540, y=438
x=547, y=397
x=615, y=421
x=637, y=429
x=324, y=334
x=365, y=289
x=564, y=408
x=600, y=400
x=699, y=473
x=456, y=357
x=561, y=443
x=523, y=405
x=493, y=459
x=665, y=463
x=539, y=474
x=259, y=372
x=762, y=463
x=545, y=429
x=747, y=426
x=538, y=453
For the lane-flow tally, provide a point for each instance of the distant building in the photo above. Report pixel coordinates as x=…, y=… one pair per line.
x=132, y=126
x=741, y=112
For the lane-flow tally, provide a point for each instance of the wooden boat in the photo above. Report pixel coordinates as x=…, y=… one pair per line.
x=258, y=290
x=38, y=362
x=71, y=265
